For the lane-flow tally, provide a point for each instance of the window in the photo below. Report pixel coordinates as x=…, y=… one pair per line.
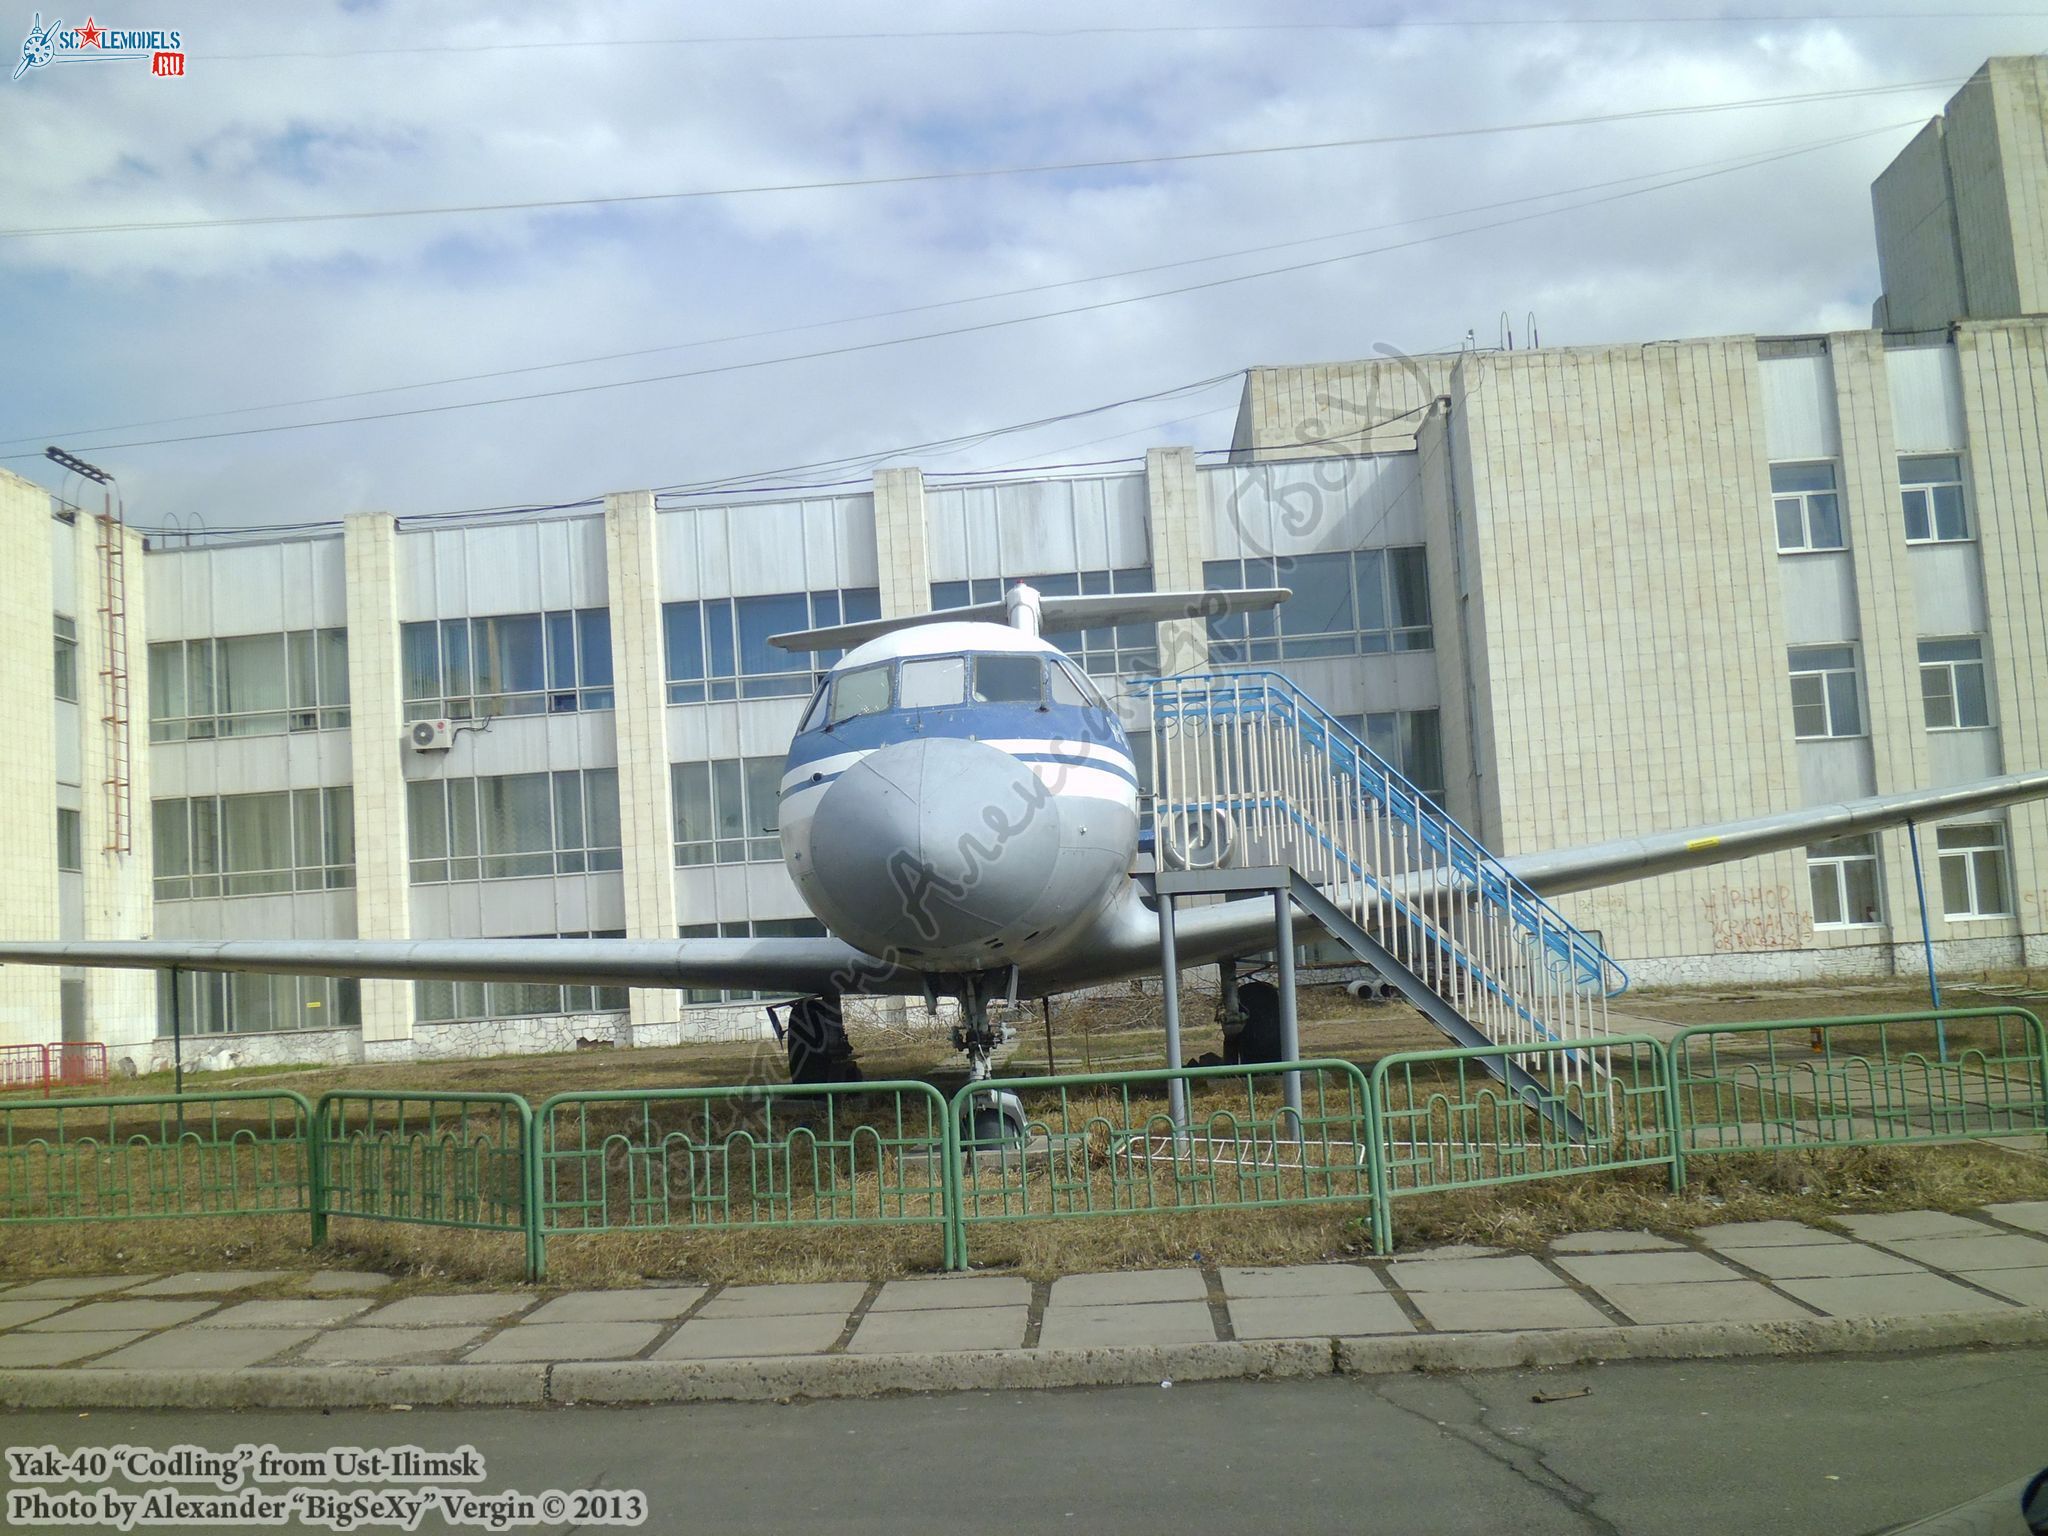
x=1104, y=651
x=1008, y=679
x=1367, y=602
x=214, y=1004
x=254, y=845
x=70, y=841
x=759, y=928
x=1973, y=882
x=1410, y=739
x=440, y=1002
x=1808, y=509
x=1931, y=493
x=1825, y=701
x=1843, y=874
x=727, y=812
x=514, y=826
x=933, y=682
x=1953, y=695
x=67, y=658
x=718, y=648
x=863, y=691
x=508, y=664
x=248, y=685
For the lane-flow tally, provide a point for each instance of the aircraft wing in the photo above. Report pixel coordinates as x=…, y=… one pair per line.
x=1056, y=615
x=764, y=965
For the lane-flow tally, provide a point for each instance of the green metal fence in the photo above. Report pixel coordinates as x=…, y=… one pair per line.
x=437, y=1159
x=156, y=1157
x=1445, y=1122
x=1105, y=1144
x=781, y=1155
x=1893, y=1079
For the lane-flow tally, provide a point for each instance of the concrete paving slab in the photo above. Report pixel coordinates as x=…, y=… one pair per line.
x=15, y=1313
x=2031, y=1214
x=566, y=1341
x=2001, y=1250
x=1460, y=1251
x=376, y=1346
x=344, y=1282
x=654, y=1304
x=1139, y=1285
x=1889, y=1296
x=1889, y=1226
x=719, y=1338
x=1612, y=1242
x=943, y=1291
x=1297, y=1317
x=446, y=1311
x=1712, y=1301
x=1303, y=1280
x=325, y=1312
x=839, y=1297
x=1517, y=1273
x=941, y=1328
x=69, y=1286
x=107, y=1316
x=209, y=1282
x=1644, y=1268
x=1765, y=1234
x=1825, y=1261
x=1495, y=1311
x=1085, y=1325
x=191, y=1349
x=19, y=1349
x=2028, y=1287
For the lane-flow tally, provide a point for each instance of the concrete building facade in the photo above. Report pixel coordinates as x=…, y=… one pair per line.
x=1577, y=593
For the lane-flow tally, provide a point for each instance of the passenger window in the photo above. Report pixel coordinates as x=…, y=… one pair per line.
x=815, y=715
x=865, y=692
x=1007, y=679
x=932, y=682
x=1070, y=687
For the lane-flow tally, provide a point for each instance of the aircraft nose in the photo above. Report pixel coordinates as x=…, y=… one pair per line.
x=935, y=847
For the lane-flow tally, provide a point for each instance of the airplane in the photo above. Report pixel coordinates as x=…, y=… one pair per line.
x=960, y=808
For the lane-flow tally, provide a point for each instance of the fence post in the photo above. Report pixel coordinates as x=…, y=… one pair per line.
x=952, y=1195
x=1674, y=1112
x=316, y=1170
x=1376, y=1165
x=536, y=1225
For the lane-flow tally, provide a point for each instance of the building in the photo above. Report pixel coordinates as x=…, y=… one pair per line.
x=1578, y=593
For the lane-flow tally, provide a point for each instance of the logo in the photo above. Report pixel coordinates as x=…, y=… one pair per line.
x=92, y=43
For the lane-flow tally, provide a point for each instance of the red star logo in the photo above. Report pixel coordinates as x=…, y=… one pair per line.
x=89, y=34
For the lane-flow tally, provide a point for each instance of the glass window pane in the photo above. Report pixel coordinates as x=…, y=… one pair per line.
x=594, y=647
x=815, y=715
x=1973, y=704
x=764, y=786
x=333, y=668
x=252, y=674
x=1845, y=716
x=206, y=836
x=1955, y=886
x=1990, y=872
x=1321, y=604
x=1965, y=649
x=1937, y=704
x=760, y=617
x=1949, y=521
x=948, y=594
x=1408, y=570
x=718, y=623
x=1859, y=877
x=1065, y=686
x=864, y=691
x=1824, y=521
x=1927, y=469
x=690, y=788
x=1425, y=755
x=561, y=633
x=199, y=677
x=455, y=668
x=1011, y=679
x=167, y=681
x=1827, y=894
x=305, y=675
x=1914, y=504
x=256, y=832
x=1803, y=477
x=601, y=807
x=420, y=651
x=569, y=810
x=933, y=681
x=1976, y=834
x=683, y=634
x=513, y=814
x=509, y=654
x=728, y=805
x=172, y=837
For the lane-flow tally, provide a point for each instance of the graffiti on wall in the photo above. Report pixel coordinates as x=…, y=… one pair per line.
x=1755, y=917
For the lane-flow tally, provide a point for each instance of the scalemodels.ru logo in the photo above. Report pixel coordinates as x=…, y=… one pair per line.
x=93, y=44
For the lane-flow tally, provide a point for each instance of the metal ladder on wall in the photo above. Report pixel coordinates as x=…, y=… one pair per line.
x=1251, y=772
x=116, y=708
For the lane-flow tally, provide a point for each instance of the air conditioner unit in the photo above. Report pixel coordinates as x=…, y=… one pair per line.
x=430, y=735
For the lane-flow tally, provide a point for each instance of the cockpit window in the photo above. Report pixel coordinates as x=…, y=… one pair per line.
x=1069, y=686
x=861, y=692
x=1012, y=679
x=932, y=682
x=815, y=715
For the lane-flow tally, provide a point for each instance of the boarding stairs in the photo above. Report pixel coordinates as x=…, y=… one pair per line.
x=1250, y=772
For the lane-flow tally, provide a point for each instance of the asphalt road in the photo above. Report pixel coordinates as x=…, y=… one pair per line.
x=1813, y=1447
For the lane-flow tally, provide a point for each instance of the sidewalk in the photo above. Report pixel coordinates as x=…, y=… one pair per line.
x=1907, y=1280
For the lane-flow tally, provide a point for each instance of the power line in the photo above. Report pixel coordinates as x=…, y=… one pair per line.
x=715, y=39
x=974, y=173
x=851, y=348
x=908, y=309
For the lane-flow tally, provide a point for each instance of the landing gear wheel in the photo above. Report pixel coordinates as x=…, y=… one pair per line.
x=992, y=1119
x=1259, y=1040
x=819, y=1051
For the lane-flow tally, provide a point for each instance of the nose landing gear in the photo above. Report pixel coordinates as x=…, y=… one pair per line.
x=990, y=1117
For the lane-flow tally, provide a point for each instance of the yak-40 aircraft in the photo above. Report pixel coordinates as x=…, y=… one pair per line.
x=960, y=809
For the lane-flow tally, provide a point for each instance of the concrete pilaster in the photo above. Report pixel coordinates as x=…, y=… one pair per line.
x=646, y=813
x=900, y=552
x=120, y=1006
x=28, y=768
x=1180, y=540
x=377, y=723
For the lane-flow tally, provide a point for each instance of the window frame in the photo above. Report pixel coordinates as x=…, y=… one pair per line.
x=1391, y=610
x=318, y=832
x=1803, y=497
x=455, y=813
x=64, y=657
x=1929, y=503
x=1835, y=867
x=1829, y=702
x=705, y=651
x=70, y=841
x=1949, y=670
x=740, y=799
x=454, y=668
x=195, y=675
x=1970, y=859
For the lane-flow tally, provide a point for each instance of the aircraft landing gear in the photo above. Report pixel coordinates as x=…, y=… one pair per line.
x=1258, y=1039
x=990, y=1116
x=815, y=1039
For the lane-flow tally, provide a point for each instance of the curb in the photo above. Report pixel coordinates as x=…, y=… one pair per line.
x=834, y=1376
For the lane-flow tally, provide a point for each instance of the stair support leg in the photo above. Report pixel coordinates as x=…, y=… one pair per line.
x=1169, y=995
x=1290, y=1021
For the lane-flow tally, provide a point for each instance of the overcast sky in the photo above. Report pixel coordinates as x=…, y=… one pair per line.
x=102, y=330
